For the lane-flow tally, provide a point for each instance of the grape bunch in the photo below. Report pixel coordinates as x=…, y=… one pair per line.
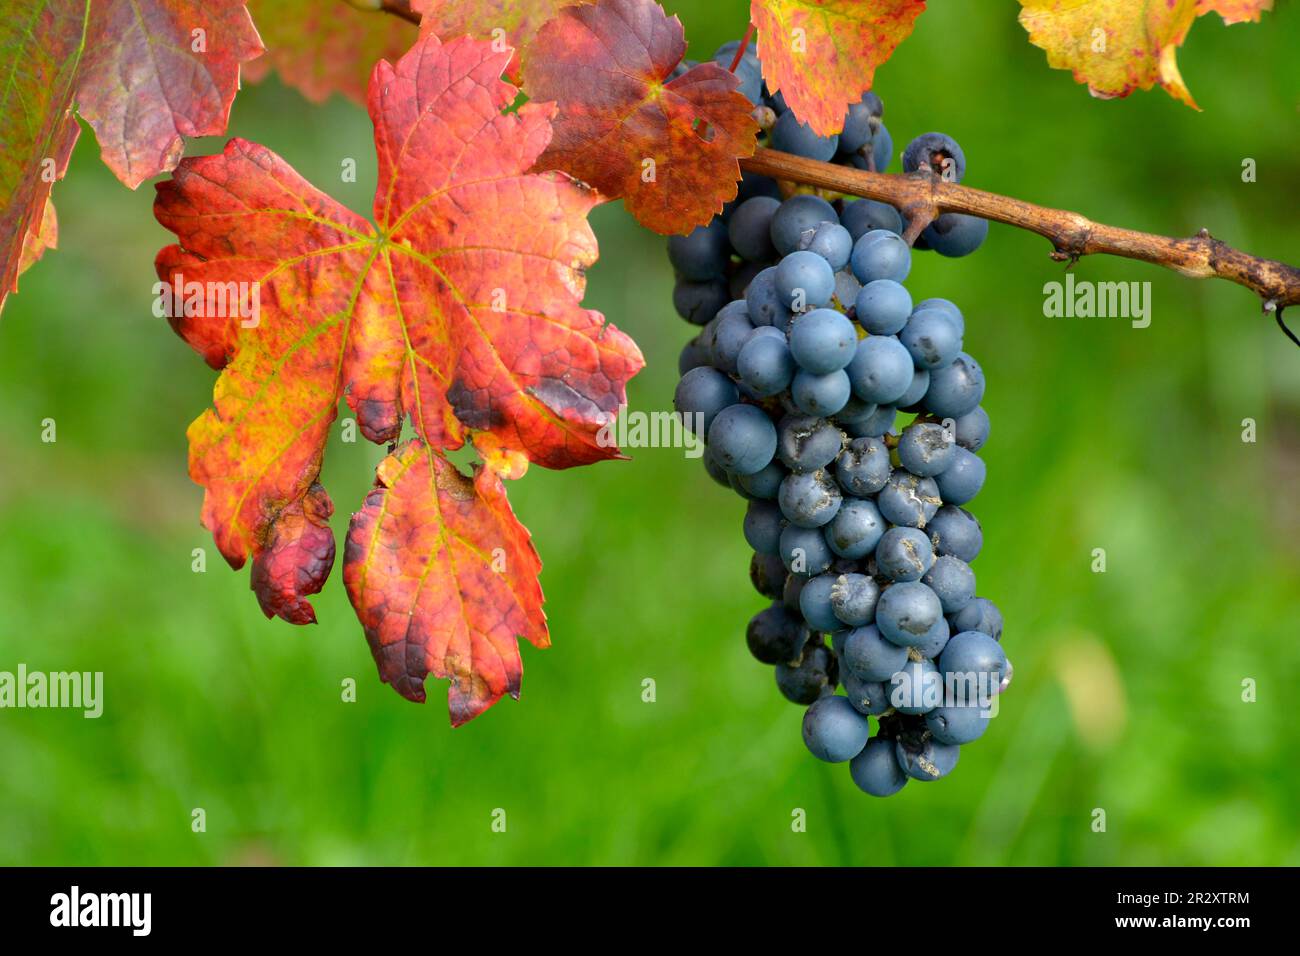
x=849, y=417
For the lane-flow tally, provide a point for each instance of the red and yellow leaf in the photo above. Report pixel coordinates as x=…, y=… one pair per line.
x=1118, y=46
x=513, y=23
x=460, y=313
x=821, y=55
x=143, y=73
x=321, y=47
x=669, y=149
x=444, y=580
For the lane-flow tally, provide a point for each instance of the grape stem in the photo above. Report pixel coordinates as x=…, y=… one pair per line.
x=740, y=50
x=922, y=198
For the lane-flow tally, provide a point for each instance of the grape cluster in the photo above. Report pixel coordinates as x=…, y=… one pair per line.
x=849, y=417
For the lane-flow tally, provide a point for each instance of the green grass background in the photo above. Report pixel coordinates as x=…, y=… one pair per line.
x=1128, y=685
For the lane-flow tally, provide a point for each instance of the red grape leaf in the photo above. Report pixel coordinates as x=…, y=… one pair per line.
x=460, y=312
x=510, y=22
x=1118, y=46
x=320, y=48
x=40, y=47
x=143, y=73
x=444, y=579
x=821, y=55
x=606, y=66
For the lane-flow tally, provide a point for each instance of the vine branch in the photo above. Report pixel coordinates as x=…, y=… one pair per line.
x=922, y=198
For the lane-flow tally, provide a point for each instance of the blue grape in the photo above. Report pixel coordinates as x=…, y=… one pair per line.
x=980, y=615
x=804, y=281
x=750, y=228
x=916, y=391
x=822, y=341
x=883, y=307
x=868, y=655
x=953, y=580
x=917, y=688
x=863, y=467
x=881, y=254
x=752, y=184
x=794, y=584
x=748, y=71
x=962, y=479
x=693, y=355
x=865, y=215
x=955, y=234
x=955, y=531
x=882, y=152
x=833, y=243
x=791, y=136
x=703, y=391
x=881, y=369
x=730, y=330
x=764, y=302
x=702, y=254
x=775, y=635
x=822, y=395
x=767, y=574
x=926, y=760
x=908, y=499
x=955, y=389
x=874, y=426
x=815, y=603
x=904, y=554
x=833, y=731
x=853, y=599
x=805, y=551
x=948, y=306
x=698, y=302
x=764, y=362
x=876, y=771
x=932, y=338
x=957, y=725
x=906, y=612
x=860, y=123
x=926, y=449
x=813, y=677
x=855, y=410
x=937, y=153
x=763, y=525
x=932, y=645
x=798, y=215
x=742, y=439
x=856, y=529
x=867, y=697
x=806, y=443
x=973, y=429
x=765, y=483
x=979, y=658
x=716, y=470
x=809, y=500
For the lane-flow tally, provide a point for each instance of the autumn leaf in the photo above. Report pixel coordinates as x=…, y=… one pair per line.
x=444, y=579
x=1118, y=46
x=669, y=149
x=321, y=47
x=821, y=55
x=460, y=312
x=512, y=22
x=144, y=74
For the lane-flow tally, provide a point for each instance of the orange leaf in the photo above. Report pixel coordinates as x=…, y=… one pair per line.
x=444, y=579
x=513, y=22
x=322, y=47
x=460, y=313
x=1118, y=46
x=668, y=149
x=821, y=55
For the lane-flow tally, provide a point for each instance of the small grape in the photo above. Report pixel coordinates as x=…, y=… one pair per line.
x=881, y=254
x=955, y=389
x=973, y=429
x=804, y=550
x=981, y=615
x=937, y=153
x=822, y=395
x=833, y=731
x=798, y=215
x=763, y=526
x=868, y=655
x=853, y=599
x=926, y=760
x=767, y=574
x=813, y=677
x=750, y=228
x=926, y=449
x=917, y=688
x=822, y=341
x=955, y=531
x=815, y=603
x=904, y=554
x=883, y=307
x=957, y=725
x=865, y=215
x=932, y=339
x=807, y=443
x=698, y=302
x=764, y=483
x=832, y=242
x=742, y=439
x=953, y=580
x=764, y=362
x=867, y=697
x=906, y=612
x=876, y=771
x=702, y=254
x=810, y=499
x=791, y=136
x=805, y=281
x=863, y=467
x=775, y=635
x=856, y=528
x=881, y=369
x=908, y=499
x=703, y=391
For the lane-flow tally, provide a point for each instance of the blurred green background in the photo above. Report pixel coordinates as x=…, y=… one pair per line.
x=1128, y=687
